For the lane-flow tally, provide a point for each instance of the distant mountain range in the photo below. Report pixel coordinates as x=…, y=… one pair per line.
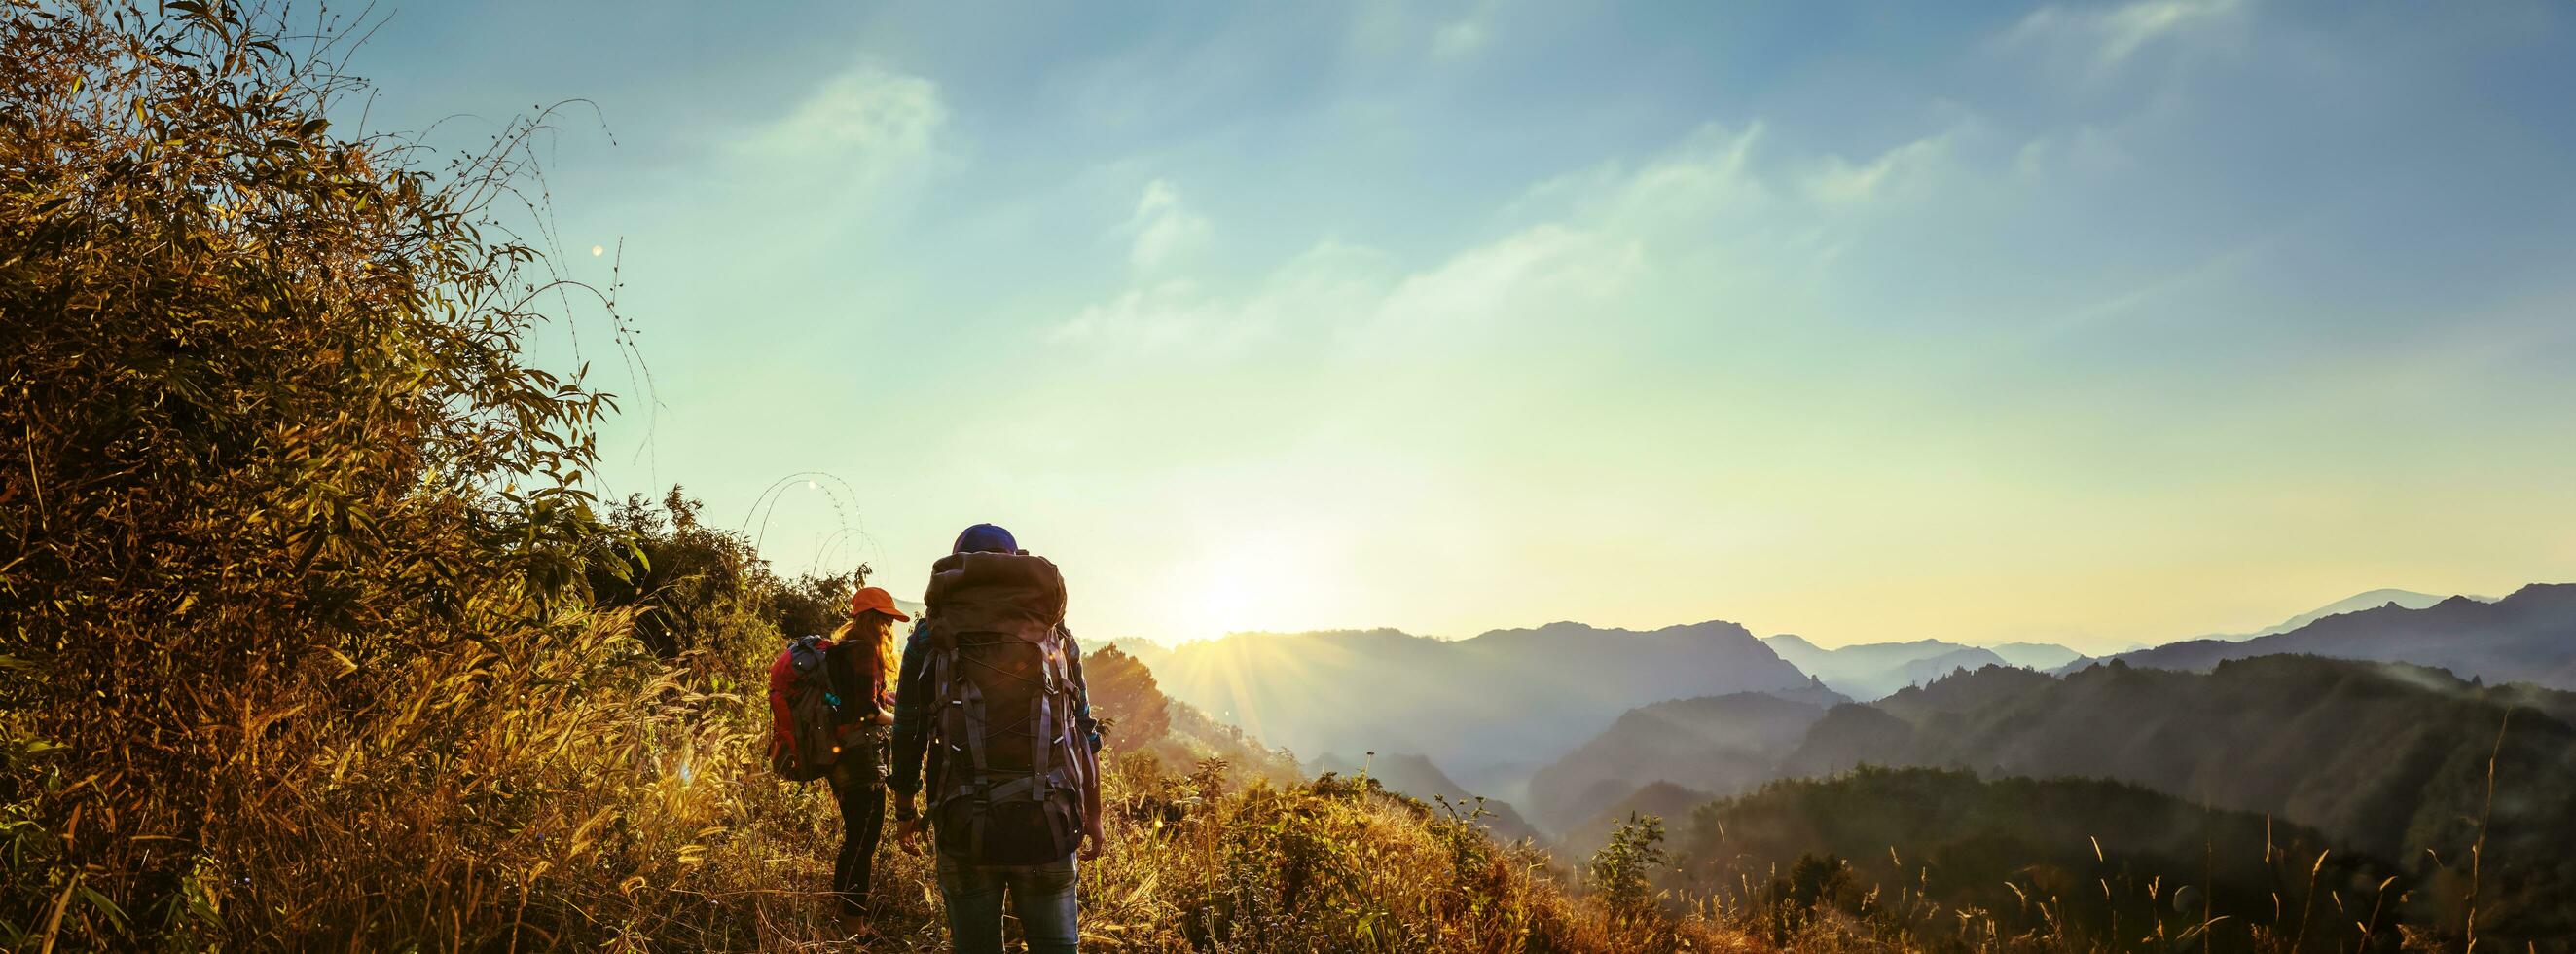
x=1872, y=670
x=2357, y=602
x=1726, y=745
x=1514, y=696
x=2528, y=636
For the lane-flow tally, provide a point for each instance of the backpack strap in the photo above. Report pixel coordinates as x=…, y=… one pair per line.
x=811, y=648
x=942, y=679
x=955, y=728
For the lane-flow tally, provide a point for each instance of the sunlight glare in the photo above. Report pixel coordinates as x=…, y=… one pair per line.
x=1261, y=586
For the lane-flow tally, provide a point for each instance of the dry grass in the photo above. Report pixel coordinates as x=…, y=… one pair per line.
x=562, y=788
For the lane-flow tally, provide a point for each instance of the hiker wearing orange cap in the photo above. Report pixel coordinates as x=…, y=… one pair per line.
x=852, y=673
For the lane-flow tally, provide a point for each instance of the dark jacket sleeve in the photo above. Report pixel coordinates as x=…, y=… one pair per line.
x=911, y=717
x=1081, y=695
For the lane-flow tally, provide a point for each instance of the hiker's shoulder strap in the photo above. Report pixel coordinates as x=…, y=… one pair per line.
x=811, y=658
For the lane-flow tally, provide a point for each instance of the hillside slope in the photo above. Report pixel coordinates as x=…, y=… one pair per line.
x=1673, y=803
x=2107, y=862
x=1720, y=744
x=1416, y=777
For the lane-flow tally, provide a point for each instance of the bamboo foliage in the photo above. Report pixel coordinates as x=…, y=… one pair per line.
x=274, y=451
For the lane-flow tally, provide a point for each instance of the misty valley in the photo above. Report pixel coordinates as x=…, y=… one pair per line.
x=2373, y=768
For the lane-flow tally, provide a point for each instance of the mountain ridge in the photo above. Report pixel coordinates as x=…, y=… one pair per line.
x=2527, y=636
x=1873, y=670
x=1521, y=695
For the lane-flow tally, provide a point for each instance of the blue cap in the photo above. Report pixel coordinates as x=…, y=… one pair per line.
x=985, y=538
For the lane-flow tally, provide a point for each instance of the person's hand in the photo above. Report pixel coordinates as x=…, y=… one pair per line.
x=1092, y=842
x=907, y=834
x=884, y=717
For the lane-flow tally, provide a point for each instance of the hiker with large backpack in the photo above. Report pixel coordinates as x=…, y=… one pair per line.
x=830, y=699
x=991, y=698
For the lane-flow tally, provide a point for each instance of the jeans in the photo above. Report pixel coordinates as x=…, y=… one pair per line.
x=860, y=790
x=1042, y=895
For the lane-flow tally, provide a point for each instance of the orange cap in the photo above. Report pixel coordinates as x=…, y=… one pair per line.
x=875, y=598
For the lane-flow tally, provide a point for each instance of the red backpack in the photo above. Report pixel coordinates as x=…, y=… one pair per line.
x=824, y=717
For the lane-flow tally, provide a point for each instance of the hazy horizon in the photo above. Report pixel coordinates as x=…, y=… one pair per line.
x=2104, y=647
x=2079, y=323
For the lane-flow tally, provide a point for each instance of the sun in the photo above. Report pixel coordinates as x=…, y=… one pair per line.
x=1250, y=588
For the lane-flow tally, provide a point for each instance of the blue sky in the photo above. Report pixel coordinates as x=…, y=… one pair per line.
x=2085, y=322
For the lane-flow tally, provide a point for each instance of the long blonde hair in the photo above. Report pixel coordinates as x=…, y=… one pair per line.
x=888, y=659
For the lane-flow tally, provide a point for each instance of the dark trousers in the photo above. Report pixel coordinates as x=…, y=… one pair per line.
x=1042, y=896
x=860, y=790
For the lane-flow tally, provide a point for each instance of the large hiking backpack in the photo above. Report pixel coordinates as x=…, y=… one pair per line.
x=1007, y=789
x=825, y=719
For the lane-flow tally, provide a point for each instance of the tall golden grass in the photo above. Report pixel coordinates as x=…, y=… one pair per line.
x=563, y=789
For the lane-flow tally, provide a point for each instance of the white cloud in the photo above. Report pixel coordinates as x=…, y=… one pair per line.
x=1458, y=39
x=2107, y=37
x=1612, y=246
x=1154, y=318
x=849, y=156
x=1329, y=284
x=1542, y=275
x=866, y=112
x=1165, y=230
x=1838, y=182
x=1462, y=37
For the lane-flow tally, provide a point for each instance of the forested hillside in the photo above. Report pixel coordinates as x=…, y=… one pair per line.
x=2388, y=759
x=1950, y=856
x=2450, y=782
x=1718, y=744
